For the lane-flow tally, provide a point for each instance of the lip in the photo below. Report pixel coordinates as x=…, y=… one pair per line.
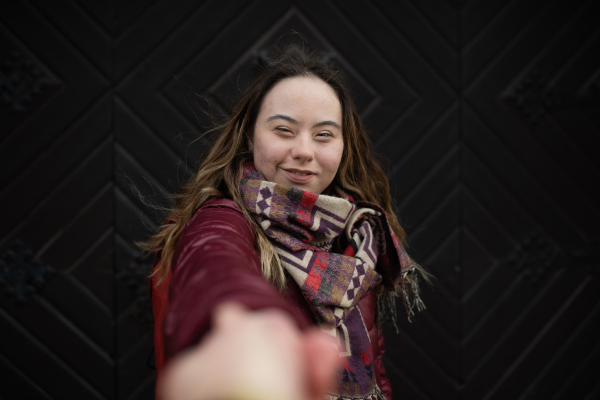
x=298, y=178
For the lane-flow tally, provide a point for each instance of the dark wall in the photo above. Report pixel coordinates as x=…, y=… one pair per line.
x=485, y=114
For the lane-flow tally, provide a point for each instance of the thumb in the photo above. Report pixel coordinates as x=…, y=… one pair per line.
x=228, y=315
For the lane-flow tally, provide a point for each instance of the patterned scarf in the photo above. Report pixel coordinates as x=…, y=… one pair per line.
x=336, y=250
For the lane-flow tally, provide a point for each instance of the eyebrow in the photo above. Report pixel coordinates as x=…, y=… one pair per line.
x=293, y=121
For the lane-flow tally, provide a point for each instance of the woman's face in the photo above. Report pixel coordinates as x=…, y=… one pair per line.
x=297, y=139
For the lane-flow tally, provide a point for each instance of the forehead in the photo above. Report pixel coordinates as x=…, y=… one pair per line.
x=303, y=96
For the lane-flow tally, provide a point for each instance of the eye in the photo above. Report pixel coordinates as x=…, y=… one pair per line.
x=324, y=134
x=282, y=129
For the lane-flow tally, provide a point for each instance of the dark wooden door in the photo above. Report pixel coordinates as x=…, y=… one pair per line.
x=485, y=114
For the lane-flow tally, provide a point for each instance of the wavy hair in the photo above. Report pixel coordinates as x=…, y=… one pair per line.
x=359, y=174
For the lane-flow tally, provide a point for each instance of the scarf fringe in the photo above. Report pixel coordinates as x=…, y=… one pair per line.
x=376, y=394
x=408, y=289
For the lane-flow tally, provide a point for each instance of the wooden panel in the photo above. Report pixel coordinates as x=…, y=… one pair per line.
x=484, y=113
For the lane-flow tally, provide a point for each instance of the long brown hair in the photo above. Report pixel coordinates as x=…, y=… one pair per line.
x=359, y=173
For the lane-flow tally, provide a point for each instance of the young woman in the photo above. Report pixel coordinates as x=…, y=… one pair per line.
x=290, y=211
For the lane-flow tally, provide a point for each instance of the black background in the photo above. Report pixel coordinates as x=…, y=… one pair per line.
x=485, y=114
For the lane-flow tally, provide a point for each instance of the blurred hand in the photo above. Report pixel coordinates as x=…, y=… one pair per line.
x=253, y=355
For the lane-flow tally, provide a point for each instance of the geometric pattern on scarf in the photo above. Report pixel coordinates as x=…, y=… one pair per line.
x=303, y=227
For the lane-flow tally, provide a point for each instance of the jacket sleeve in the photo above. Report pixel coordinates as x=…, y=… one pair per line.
x=215, y=261
x=386, y=388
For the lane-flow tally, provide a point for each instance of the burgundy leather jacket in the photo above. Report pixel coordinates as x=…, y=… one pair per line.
x=216, y=261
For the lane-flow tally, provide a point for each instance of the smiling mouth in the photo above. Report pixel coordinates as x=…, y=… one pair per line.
x=299, y=176
x=299, y=173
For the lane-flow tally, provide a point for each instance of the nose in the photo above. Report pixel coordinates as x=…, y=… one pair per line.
x=302, y=149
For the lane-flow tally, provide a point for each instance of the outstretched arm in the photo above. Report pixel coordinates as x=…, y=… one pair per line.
x=215, y=262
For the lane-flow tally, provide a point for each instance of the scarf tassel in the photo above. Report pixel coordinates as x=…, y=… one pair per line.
x=413, y=299
x=376, y=394
x=408, y=289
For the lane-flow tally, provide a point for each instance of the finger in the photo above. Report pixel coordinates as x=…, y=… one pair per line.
x=322, y=362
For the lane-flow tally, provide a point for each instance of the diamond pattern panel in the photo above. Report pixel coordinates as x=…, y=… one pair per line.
x=525, y=171
x=484, y=113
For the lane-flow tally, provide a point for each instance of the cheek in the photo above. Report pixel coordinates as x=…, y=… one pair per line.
x=266, y=159
x=333, y=160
